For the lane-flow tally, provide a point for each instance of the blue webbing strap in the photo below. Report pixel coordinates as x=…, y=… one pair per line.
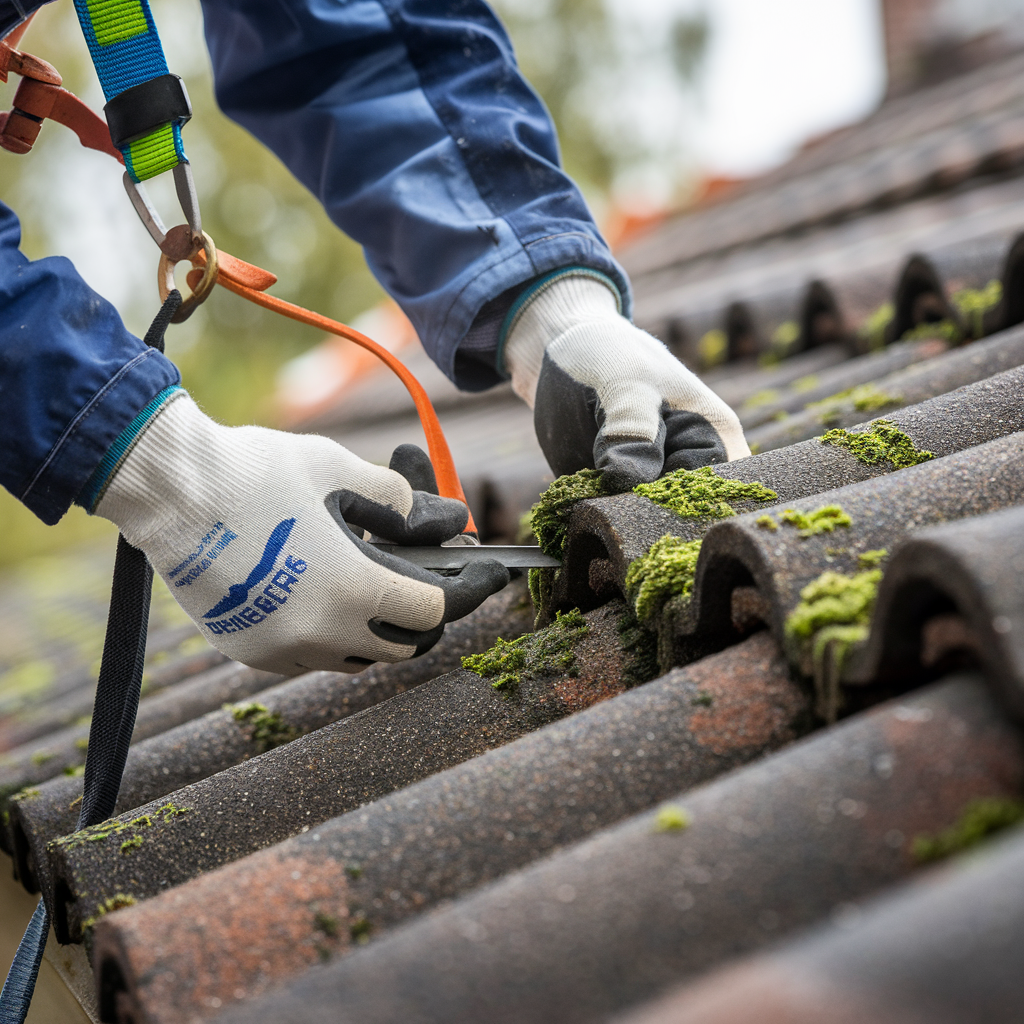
x=126, y=52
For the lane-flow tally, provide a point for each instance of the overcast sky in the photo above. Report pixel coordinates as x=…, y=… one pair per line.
x=779, y=71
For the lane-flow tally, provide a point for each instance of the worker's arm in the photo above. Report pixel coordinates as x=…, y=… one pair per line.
x=412, y=124
x=71, y=377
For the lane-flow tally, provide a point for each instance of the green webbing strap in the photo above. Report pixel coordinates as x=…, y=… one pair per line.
x=127, y=52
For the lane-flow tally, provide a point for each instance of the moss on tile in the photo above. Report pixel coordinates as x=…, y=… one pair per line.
x=944, y=329
x=640, y=648
x=767, y=522
x=42, y=756
x=703, y=699
x=808, y=383
x=268, y=728
x=28, y=793
x=760, y=398
x=360, y=929
x=819, y=520
x=872, y=331
x=862, y=398
x=665, y=571
x=713, y=348
x=326, y=923
x=550, y=650
x=108, y=906
x=872, y=559
x=131, y=844
x=702, y=493
x=671, y=818
x=974, y=303
x=74, y=770
x=549, y=518
x=784, y=338
x=833, y=599
x=883, y=441
x=112, y=827
x=980, y=819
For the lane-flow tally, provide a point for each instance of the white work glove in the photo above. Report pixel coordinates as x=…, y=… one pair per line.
x=606, y=395
x=249, y=529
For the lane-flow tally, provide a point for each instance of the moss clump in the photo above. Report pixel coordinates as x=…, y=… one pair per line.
x=360, y=929
x=269, y=729
x=42, y=756
x=326, y=923
x=974, y=303
x=701, y=493
x=549, y=650
x=759, y=398
x=834, y=599
x=550, y=516
x=108, y=906
x=75, y=770
x=808, y=383
x=821, y=520
x=874, y=328
x=944, y=329
x=131, y=844
x=884, y=441
x=671, y=818
x=665, y=571
x=766, y=522
x=980, y=818
x=863, y=398
x=784, y=338
x=712, y=348
x=96, y=833
x=82, y=745
x=872, y=559
x=702, y=700
x=640, y=646
x=354, y=870
x=29, y=793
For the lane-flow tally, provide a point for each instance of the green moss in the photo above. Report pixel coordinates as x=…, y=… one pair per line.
x=108, y=906
x=82, y=744
x=759, y=398
x=702, y=493
x=980, y=819
x=326, y=923
x=640, y=647
x=360, y=929
x=702, y=700
x=269, y=729
x=550, y=516
x=882, y=442
x=42, y=756
x=131, y=844
x=354, y=870
x=863, y=398
x=834, y=599
x=671, y=818
x=808, y=383
x=873, y=329
x=974, y=303
x=766, y=522
x=821, y=520
x=945, y=329
x=29, y=793
x=550, y=650
x=111, y=827
x=75, y=770
x=665, y=571
x=712, y=348
x=872, y=559
x=784, y=338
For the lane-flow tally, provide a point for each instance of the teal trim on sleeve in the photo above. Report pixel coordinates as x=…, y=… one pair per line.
x=96, y=485
x=535, y=288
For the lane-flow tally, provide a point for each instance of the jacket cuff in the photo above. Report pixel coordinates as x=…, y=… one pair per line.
x=88, y=437
x=96, y=486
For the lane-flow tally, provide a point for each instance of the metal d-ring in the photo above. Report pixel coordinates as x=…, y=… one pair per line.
x=165, y=279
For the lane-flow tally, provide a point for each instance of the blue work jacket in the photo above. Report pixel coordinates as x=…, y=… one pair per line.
x=411, y=123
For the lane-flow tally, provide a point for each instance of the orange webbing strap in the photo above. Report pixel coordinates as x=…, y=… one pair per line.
x=250, y=282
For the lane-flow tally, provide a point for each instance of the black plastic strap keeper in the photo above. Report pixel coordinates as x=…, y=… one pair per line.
x=139, y=110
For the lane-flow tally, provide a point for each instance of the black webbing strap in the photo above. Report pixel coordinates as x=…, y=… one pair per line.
x=113, y=719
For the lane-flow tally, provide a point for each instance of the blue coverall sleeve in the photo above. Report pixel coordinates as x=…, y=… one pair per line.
x=71, y=377
x=412, y=124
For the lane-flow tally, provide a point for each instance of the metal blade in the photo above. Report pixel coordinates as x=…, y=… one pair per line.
x=512, y=556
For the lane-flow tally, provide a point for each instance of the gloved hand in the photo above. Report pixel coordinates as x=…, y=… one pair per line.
x=606, y=395
x=249, y=529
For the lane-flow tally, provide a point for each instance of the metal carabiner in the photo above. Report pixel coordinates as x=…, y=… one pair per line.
x=185, y=187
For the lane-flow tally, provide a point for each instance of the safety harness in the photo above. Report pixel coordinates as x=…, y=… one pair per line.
x=146, y=108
